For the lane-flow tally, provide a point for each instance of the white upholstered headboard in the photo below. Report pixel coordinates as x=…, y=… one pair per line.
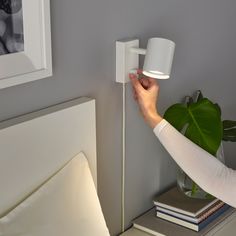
x=36, y=145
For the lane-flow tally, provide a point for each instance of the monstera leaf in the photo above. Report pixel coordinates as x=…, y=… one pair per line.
x=200, y=122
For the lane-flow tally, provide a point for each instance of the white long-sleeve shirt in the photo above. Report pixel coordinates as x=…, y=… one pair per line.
x=208, y=172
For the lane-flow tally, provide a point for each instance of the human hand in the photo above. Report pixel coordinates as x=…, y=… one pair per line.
x=145, y=91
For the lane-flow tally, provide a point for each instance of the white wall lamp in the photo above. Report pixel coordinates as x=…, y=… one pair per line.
x=158, y=58
x=157, y=64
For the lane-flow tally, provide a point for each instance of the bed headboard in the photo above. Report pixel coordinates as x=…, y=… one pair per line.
x=36, y=145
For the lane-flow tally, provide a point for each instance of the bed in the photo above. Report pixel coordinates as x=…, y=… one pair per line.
x=33, y=149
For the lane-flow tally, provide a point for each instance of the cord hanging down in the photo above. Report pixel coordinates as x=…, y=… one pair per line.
x=123, y=158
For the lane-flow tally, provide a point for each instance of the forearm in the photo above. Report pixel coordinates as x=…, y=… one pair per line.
x=209, y=173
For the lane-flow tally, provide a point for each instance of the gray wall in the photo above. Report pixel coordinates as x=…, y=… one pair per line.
x=84, y=34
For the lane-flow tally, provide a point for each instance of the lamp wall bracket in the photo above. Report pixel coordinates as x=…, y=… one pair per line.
x=127, y=59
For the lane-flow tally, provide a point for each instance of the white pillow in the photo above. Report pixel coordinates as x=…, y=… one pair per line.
x=66, y=205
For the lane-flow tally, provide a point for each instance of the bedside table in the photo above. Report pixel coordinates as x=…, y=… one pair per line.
x=224, y=228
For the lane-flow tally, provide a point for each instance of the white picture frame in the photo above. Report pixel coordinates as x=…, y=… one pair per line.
x=35, y=61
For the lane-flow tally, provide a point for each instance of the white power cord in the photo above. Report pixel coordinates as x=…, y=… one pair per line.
x=123, y=158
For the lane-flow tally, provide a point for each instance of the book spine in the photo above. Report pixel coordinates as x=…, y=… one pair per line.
x=211, y=211
x=212, y=217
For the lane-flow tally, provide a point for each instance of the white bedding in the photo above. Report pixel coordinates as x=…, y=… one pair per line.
x=66, y=205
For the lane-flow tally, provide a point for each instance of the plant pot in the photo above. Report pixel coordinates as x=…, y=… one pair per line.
x=189, y=187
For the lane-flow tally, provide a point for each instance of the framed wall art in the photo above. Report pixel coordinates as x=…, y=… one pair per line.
x=25, y=41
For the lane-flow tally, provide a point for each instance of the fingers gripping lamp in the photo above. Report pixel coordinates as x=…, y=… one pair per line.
x=157, y=64
x=158, y=58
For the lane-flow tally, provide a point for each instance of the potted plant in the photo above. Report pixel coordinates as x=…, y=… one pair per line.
x=199, y=119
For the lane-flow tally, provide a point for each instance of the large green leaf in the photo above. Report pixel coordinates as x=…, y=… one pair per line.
x=201, y=122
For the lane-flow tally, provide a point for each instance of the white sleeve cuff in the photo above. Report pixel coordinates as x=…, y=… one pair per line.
x=159, y=127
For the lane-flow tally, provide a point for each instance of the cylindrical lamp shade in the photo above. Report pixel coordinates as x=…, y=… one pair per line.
x=159, y=58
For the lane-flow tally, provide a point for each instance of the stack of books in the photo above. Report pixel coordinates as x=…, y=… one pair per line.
x=192, y=213
x=176, y=214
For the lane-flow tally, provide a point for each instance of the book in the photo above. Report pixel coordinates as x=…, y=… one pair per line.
x=177, y=201
x=149, y=223
x=195, y=220
x=190, y=225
